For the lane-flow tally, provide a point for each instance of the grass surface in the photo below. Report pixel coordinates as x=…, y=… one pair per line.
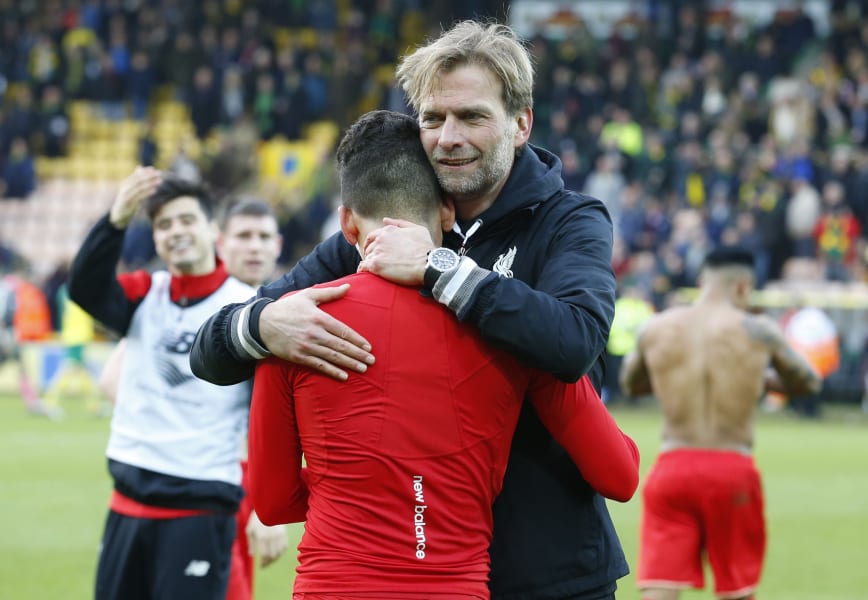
x=55, y=487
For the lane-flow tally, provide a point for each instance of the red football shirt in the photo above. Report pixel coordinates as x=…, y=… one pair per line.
x=405, y=460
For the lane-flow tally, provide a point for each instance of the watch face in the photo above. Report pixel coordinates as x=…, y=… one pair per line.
x=443, y=259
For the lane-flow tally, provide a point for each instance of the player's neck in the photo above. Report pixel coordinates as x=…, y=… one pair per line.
x=717, y=296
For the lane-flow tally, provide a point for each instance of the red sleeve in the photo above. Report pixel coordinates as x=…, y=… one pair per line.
x=277, y=490
x=135, y=284
x=580, y=422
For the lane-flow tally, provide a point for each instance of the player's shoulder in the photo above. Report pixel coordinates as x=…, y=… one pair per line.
x=236, y=287
x=761, y=327
x=667, y=317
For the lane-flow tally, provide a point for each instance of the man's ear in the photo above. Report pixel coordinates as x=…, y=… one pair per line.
x=447, y=214
x=216, y=234
x=348, y=225
x=218, y=245
x=524, y=122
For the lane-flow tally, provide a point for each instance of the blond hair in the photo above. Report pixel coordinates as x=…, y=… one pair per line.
x=494, y=47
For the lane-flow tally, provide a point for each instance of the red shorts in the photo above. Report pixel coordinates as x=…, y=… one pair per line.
x=695, y=500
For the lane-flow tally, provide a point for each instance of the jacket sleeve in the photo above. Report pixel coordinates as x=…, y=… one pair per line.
x=93, y=283
x=277, y=489
x=219, y=355
x=561, y=324
x=579, y=421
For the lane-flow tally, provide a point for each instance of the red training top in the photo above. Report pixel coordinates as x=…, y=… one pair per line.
x=405, y=461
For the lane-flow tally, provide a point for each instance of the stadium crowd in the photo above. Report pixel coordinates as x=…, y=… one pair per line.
x=694, y=126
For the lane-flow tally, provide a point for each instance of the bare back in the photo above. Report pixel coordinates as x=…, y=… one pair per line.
x=706, y=364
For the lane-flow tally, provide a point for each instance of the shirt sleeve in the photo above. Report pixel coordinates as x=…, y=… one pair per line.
x=94, y=285
x=277, y=490
x=220, y=352
x=580, y=422
x=561, y=323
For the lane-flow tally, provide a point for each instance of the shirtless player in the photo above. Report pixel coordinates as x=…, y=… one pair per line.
x=708, y=365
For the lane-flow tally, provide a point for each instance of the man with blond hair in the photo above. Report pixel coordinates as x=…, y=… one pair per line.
x=527, y=263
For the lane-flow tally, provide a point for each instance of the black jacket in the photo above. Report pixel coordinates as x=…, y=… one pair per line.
x=550, y=302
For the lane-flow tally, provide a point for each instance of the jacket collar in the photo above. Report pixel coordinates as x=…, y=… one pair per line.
x=186, y=288
x=535, y=177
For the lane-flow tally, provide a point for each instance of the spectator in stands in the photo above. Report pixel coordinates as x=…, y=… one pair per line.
x=18, y=177
x=836, y=234
x=232, y=100
x=109, y=88
x=264, y=106
x=803, y=212
x=148, y=149
x=204, y=102
x=23, y=119
x=181, y=62
x=53, y=133
x=140, y=83
x=5, y=137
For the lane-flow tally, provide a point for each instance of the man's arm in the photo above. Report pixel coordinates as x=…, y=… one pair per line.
x=580, y=422
x=110, y=377
x=269, y=542
x=92, y=281
x=277, y=490
x=560, y=325
x=795, y=375
x=93, y=284
x=229, y=343
x=634, y=378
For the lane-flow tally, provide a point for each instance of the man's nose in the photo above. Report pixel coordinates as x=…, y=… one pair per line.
x=451, y=133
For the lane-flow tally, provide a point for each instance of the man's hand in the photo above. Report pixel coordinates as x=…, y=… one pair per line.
x=397, y=251
x=138, y=186
x=295, y=329
x=268, y=542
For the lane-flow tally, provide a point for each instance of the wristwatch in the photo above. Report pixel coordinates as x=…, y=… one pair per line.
x=440, y=260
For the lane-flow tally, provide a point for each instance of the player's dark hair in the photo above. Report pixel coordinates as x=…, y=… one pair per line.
x=729, y=256
x=247, y=206
x=384, y=171
x=173, y=187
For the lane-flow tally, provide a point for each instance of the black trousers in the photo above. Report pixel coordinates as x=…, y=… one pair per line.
x=165, y=559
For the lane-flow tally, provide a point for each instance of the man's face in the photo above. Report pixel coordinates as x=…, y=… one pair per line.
x=249, y=246
x=467, y=134
x=184, y=237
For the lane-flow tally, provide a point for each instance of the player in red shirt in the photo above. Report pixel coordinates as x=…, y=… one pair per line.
x=405, y=460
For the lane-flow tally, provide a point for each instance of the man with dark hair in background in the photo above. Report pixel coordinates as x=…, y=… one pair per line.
x=409, y=455
x=248, y=243
x=708, y=365
x=175, y=440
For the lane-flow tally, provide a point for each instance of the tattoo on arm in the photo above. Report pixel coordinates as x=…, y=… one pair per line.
x=797, y=375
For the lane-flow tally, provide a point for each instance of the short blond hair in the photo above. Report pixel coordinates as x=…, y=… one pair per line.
x=492, y=46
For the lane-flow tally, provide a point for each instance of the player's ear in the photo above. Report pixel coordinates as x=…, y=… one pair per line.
x=348, y=225
x=447, y=214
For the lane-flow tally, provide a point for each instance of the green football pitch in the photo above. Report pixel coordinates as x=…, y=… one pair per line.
x=54, y=488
